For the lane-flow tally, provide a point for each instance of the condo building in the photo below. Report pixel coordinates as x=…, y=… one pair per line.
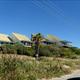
x=4, y=39
x=22, y=39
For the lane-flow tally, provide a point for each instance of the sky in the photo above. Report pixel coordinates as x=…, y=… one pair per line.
x=57, y=17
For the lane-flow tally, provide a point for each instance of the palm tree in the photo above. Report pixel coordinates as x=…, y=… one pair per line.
x=36, y=41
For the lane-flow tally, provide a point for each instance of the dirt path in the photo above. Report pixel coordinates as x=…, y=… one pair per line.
x=74, y=74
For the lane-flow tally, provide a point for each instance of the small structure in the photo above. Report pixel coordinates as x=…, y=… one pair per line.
x=16, y=37
x=4, y=39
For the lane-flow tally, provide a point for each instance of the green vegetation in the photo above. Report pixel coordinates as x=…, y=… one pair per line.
x=44, y=50
x=17, y=62
x=39, y=49
x=13, y=68
x=17, y=49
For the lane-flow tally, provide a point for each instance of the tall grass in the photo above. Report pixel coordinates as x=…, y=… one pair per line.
x=13, y=68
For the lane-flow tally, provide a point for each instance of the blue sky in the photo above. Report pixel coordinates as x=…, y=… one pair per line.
x=57, y=17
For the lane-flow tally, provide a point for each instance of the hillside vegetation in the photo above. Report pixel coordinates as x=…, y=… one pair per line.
x=19, y=63
x=13, y=67
x=44, y=50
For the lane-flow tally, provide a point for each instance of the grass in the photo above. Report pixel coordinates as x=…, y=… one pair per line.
x=14, y=67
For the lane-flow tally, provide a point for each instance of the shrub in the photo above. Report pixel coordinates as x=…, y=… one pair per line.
x=44, y=51
x=17, y=49
x=29, y=51
x=8, y=49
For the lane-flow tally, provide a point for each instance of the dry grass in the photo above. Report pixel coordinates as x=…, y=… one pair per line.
x=29, y=69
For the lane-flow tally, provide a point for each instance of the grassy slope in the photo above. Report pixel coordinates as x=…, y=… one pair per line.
x=27, y=68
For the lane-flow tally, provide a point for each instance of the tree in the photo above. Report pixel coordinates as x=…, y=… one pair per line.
x=36, y=41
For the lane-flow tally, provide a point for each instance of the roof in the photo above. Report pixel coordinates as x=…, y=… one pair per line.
x=4, y=38
x=53, y=38
x=21, y=37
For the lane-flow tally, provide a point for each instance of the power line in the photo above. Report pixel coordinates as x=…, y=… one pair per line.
x=54, y=6
x=48, y=6
x=51, y=8
x=43, y=7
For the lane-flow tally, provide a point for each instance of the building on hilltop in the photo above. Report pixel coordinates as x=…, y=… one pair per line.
x=46, y=42
x=17, y=37
x=24, y=40
x=4, y=39
x=53, y=39
x=59, y=42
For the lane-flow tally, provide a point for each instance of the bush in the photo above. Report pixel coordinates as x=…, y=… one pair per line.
x=76, y=50
x=67, y=53
x=17, y=49
x=44, y=51
x=22, y=50
x=8, y=49
x=29, y=51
